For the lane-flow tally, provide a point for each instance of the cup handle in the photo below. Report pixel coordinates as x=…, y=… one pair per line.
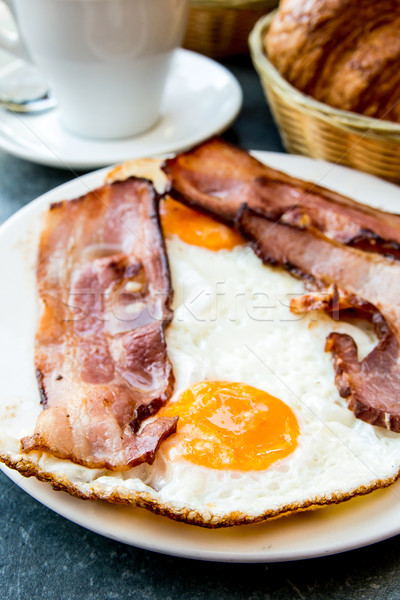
x=10, y=40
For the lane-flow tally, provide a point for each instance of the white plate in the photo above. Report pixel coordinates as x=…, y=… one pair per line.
x=202, y=98
x=356, y=523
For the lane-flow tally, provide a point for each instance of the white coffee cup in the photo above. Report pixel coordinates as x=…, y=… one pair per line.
x=106, y=60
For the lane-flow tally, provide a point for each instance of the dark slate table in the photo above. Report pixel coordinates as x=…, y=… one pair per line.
x=45, y=557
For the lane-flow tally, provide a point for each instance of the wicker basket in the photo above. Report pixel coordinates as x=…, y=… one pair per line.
x=315, y=129
x=219, y=28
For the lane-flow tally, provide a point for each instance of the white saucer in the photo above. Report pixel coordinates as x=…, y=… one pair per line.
x=202, y=98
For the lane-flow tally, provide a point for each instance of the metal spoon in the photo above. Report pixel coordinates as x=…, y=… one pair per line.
x=41, y=104
x=23, y=89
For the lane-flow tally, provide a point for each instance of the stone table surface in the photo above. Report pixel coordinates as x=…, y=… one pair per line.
x=43, y=556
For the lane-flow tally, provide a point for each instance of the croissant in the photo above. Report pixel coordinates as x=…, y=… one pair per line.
x=345, y=53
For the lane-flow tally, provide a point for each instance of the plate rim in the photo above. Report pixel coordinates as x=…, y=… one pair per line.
x=203, y=555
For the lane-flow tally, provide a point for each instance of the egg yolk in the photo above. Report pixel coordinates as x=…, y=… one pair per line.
x=224, y=425
x=196, y=228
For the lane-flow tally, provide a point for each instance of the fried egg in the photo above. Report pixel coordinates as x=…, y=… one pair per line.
x=262, y=430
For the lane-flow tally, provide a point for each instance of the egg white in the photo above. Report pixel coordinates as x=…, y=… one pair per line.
x=232, y=322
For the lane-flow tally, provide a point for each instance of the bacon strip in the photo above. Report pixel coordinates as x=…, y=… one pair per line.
x=218, y=178
x=100, y=356
x=371, y=386
x=332, y=300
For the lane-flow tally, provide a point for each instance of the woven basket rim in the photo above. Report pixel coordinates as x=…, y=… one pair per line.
x=342, y=118
x=233, y=4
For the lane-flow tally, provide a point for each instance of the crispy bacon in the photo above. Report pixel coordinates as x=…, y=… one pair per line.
x=331, y=299
x=218, y=178
x=100, y=356
x=371, y=386
x=369, y=276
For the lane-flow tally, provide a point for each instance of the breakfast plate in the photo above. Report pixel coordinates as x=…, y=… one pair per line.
x=202, y=98
x=354, y=524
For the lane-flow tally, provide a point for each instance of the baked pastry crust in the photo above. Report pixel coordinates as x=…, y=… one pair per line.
x=344, y=53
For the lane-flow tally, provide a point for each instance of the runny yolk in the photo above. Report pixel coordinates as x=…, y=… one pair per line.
x=224, y=425
x=196, y=228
